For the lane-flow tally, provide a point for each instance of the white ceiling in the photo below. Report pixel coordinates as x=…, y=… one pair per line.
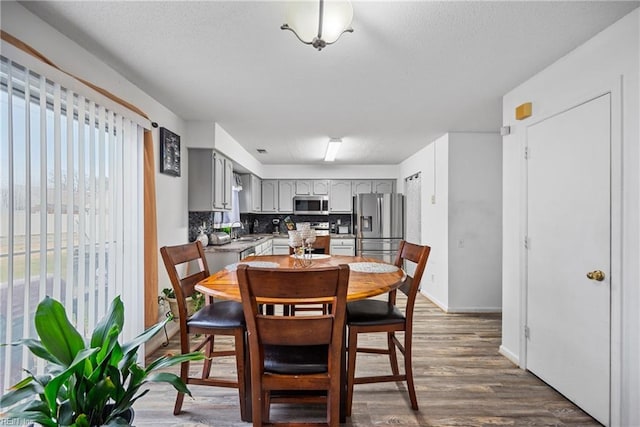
x=410, y=71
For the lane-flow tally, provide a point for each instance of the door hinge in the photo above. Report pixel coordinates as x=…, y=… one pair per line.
x=526, y=153
x=526, y=242
x=505, y=130
x=526, y=331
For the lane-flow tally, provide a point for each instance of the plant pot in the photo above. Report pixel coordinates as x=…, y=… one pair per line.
x=173, y=306
x=126, y=415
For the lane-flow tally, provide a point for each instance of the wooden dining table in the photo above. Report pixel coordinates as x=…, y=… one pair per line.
x=367, y=278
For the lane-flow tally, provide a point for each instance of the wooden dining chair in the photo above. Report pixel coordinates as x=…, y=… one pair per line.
x=219, y=318
x=371, y=316
x=294, y=359
x=322, y=245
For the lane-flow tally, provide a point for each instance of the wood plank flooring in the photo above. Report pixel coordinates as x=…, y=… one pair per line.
x=461, y=380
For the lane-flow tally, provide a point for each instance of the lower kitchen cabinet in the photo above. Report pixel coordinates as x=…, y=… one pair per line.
x=343, y=246
x=264, y=248
x=280, y=246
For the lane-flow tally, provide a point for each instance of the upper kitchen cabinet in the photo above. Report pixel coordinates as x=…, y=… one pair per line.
x=210, y=180
x=340, y=198
x=250, y=197
x=270, y=195
x=286, y=191
x=373, y=186
x=317, y=187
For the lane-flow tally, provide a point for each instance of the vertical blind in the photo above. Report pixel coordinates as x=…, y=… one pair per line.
x=70, y=206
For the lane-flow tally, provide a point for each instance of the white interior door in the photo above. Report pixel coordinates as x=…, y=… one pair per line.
x=569, y=235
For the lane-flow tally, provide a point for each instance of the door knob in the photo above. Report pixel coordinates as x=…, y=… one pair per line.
x=596, y=275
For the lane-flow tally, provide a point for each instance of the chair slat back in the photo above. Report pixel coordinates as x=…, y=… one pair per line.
x=418, y=254
x=188, y=255
x=321, y=245
x=294, y=286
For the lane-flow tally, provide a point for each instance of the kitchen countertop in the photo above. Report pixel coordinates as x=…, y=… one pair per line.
x=251, y=240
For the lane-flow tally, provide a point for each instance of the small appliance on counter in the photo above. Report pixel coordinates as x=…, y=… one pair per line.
x=218, y=238
x=276, y=226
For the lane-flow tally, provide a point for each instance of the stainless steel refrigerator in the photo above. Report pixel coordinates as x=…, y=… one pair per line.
x=378, y=224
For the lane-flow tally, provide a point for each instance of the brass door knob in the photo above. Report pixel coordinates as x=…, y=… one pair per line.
x=596, y=275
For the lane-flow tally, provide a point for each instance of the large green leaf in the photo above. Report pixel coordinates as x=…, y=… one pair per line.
x=174, y=380
x=26, y=388
x=166, y=361
x=132, y=346
x=36, y=348
x=33, y=410
x=56, y=333
x=113, y=318
x=53, y=387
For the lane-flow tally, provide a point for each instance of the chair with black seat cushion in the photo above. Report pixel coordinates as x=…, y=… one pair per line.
x=371, y=316
x=294, y=359
x=219, y=318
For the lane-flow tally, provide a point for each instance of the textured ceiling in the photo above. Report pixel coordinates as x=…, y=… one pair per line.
x=410, y=72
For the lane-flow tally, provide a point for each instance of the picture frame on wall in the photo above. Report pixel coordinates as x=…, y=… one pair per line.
x=169, y=152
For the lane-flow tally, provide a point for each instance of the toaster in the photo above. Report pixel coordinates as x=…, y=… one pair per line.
x=218, y=238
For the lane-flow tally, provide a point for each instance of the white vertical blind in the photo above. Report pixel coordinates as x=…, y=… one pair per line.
x=71, y=207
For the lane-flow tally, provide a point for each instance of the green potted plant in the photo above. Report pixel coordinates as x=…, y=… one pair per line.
x=194, y=303
x=86, y=384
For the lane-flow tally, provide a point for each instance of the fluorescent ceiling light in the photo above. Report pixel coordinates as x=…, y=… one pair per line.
x=332, y=149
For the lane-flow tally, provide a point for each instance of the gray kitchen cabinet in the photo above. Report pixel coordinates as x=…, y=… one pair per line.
x=250, y=197
x=343, y=246
x=269, y=195
x=361, y=186
x=286, y=191
x=383, y=186
x=303, y=187
x=340, y=197
x=280, y=246
x=308, y=187
x=321, y=187
x=210, y=180
x=373, y=186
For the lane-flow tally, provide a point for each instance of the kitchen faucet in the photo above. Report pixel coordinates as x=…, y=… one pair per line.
x=234, y=231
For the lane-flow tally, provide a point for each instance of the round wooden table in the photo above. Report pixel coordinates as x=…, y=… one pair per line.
x=362, y=284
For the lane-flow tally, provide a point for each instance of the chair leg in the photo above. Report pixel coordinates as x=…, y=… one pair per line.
x=240, y=368
x=184, y=374
x=206, y=365
x=393, y=357
x=408, y=370
x=351, y=368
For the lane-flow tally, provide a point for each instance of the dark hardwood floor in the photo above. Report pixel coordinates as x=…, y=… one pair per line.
x=461, y=380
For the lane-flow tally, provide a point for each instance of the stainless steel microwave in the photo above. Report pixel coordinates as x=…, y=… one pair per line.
x=311, y=205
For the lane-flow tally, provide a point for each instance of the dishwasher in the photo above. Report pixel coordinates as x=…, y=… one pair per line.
x=247, y=252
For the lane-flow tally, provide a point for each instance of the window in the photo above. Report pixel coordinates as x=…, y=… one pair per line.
x=70, y=205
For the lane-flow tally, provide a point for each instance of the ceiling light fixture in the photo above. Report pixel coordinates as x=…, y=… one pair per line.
x=319, y=25
x=332, y=149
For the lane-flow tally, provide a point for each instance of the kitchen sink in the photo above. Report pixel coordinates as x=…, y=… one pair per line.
x=249, y=239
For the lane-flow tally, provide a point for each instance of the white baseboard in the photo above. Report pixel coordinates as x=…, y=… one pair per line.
x=509, y=355
x=447, y=309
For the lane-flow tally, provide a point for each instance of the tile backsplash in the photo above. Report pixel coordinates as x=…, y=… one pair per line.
x=264, y=222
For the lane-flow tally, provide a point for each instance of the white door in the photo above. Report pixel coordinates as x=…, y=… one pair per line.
x=568, y=229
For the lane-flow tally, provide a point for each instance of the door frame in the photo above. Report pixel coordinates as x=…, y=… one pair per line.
x=572, y=100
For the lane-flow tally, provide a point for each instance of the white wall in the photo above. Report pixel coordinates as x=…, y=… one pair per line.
x=68, y=55
x=608, y=62
x=475, y=221
x=461, y=219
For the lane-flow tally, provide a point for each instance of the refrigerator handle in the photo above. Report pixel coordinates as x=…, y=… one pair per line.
x=380, y=216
